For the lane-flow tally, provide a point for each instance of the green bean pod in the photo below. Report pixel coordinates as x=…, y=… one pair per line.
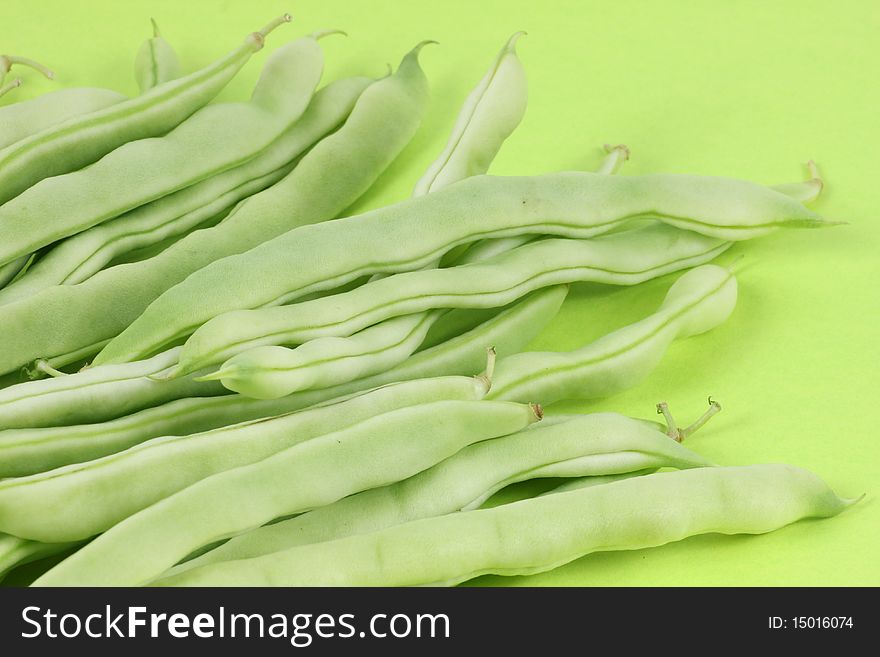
x=28, y=451
x=489, y=115
x=213, y=140
x=156, y=62
x=543, y=533
x=16, y=551
x=11, y=270
x=271, y=372
x=78, y=319
x=79, y=257
x=88, y=498
x=396, y=238
x=96, y=394
x=32, y=116
x=376, y=452
x=577, y=483
x=697, y=302
x=82, y=140
x=588, y=446
x=625, y=258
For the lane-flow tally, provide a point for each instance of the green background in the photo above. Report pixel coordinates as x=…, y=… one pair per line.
x=744, y=89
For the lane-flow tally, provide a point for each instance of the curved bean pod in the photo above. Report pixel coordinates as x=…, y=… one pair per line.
x=79, y=257
x=155, y=62
x=271, y=372
x=215, y=139
x=88, y=498
x=543, y=533
x=95, y=394
x=583, y=446
x=698, y=301
x=618, y=259
x=395, y=238
x=376, y=452
x=79, y=319
x=489, y=115
x=82, y=140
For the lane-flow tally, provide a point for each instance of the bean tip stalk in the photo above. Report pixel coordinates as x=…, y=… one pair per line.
x=485, y=378
x=257, y=39
x=614, y=159
x=8, y=61
x=320, y=34
x=510, y=46
x=156, y=33
x=9, y=86
x=537, y=410
x=679, y=434
x=41, y=367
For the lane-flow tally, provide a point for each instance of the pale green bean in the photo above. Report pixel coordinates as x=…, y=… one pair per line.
x=214, y=139
x=95, y=394
x=79, y=257
x=489, y=115
x=88, y=498
x=542, y=533
x=28, y=451
x=79, y=319
x=271, y=372
x=376, y=452
x=625, y=258
x=589, y=446
x=697, y=302
x=155, y=62
x=84, y=139
x=16, y=551
x=395, y=238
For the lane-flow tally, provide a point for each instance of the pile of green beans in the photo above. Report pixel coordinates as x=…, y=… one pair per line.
x=543, y=533
x=239, y=385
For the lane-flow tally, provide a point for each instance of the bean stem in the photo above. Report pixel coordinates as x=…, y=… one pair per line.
x=672, y=428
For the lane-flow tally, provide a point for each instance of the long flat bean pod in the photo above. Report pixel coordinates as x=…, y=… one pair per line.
x=414, y=233
x=34, y=115
x=623, y=258
x=376, y=452
x=82, y=140
x=88, y=498
x=698, y=301
x=81, y=256
x=543, y=533
x=582, y=446
x=28, y=451
x=214, y=139
x=489, y=115
x=96, y=394
x=78, y=319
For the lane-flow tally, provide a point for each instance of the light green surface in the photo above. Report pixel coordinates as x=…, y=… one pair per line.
x=746, y=89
